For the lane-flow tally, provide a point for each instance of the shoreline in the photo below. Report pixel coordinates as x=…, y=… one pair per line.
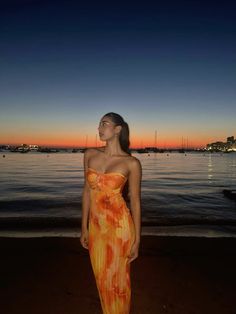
x=53, y=226
x=188, y=231
x=201, y=231
x=170, y=275
x=63, y=221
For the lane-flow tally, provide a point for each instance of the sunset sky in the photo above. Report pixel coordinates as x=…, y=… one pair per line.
x=166, y=67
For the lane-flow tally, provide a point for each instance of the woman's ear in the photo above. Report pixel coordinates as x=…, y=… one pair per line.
x=118, y=127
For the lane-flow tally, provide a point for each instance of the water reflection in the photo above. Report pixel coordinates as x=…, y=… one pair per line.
x=210, y=169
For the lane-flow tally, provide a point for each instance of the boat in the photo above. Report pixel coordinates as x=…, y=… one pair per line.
x=142, y=150
x=231, y=194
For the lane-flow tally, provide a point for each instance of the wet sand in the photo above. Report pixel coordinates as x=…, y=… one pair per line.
x=183, y=275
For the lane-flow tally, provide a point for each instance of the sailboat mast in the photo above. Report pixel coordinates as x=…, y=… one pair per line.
x=155, y=145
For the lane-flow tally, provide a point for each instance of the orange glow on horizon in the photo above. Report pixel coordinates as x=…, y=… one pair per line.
x=75, y=142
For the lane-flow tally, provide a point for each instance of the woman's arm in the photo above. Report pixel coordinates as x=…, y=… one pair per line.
x=135, y=176
x=85, y=195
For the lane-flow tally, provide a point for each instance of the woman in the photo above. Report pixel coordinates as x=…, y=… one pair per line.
x=109, y=230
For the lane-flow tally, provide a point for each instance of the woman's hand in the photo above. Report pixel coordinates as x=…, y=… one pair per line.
x=133, y=252
x=84, y=238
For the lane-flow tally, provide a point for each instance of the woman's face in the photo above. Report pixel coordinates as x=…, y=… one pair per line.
x=106, y=129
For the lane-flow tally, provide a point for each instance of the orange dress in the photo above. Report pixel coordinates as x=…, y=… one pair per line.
x=111, y=235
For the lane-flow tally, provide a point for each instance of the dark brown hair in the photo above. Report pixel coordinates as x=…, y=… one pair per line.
x=124, y=141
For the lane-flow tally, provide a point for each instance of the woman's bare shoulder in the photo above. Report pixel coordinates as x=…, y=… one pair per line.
x=134, y=163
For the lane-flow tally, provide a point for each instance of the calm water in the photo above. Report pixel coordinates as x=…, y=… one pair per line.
x=177, y=189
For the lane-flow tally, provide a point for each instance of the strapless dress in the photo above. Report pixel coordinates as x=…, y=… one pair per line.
x=111, y=235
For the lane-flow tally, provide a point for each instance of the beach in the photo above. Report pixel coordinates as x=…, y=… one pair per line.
x=184, y=275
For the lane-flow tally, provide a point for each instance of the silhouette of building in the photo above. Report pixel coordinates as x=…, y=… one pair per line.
x=229, y=145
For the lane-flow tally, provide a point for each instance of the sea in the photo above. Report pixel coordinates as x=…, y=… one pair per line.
x=181, y=194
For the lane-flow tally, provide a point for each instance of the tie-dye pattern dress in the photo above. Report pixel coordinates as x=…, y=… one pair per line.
x=111, y=235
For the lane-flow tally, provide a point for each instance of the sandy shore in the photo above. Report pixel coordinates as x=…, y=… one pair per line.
x=171, y=275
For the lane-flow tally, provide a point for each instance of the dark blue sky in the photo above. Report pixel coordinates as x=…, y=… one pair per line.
x=168, y=67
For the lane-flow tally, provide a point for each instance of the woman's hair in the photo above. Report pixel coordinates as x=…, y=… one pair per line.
x=124, y=133
x=124, y=141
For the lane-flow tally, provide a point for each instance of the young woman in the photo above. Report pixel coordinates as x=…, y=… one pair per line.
x=109, y=230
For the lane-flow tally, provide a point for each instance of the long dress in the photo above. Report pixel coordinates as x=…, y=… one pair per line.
x=111, y=235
